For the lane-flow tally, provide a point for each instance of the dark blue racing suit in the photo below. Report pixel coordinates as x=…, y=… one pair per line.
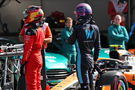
x=88, y=38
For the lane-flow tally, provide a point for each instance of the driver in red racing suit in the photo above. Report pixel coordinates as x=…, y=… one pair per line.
x=33, y=41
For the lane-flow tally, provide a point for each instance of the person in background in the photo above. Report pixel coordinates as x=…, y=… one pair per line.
x=86, y=33
x=69, y=50
x=47, y=40
x=118, y=7
x=33, y=37
x=117, y=34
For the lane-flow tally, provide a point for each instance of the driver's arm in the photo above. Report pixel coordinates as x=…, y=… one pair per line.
x=48, y=35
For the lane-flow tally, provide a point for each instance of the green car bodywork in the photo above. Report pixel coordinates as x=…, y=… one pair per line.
x=55, y=61
x=56, y=67
x=104, y=53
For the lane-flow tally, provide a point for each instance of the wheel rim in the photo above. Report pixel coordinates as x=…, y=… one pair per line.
x=121, y=85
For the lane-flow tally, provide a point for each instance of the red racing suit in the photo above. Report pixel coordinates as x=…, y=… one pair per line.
x=33, y=41
x=114, y=8
x=47, y=33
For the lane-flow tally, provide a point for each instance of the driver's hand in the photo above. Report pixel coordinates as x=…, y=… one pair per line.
x=95, y=62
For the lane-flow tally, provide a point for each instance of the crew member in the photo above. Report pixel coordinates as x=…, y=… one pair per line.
x=68, y=50
x=117, y=35
x=118, y=7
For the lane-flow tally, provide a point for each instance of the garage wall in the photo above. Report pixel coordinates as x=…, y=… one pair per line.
x=12, y=13
x=100, y=12
x=67, y=6
x=134, y=11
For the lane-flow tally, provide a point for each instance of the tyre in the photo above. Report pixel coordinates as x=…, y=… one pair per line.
x=114, y=82
x=120, y=84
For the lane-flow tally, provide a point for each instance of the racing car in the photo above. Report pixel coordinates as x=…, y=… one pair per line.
x=117, y=75
x=118, y=71
x=110, y=74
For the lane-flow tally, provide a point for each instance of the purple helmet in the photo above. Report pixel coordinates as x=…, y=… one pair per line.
x=83, y=9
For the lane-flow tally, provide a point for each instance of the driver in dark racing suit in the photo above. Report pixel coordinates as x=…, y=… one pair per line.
x=88, y=37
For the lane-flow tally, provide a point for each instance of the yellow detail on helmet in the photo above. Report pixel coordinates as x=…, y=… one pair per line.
x=33, y=13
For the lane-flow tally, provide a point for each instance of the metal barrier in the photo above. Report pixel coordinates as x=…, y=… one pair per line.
x=10, y=66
